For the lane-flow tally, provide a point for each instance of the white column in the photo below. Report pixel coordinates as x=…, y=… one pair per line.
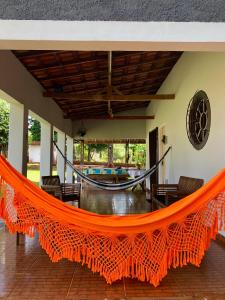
x=46, y=149
x=69, y=155
x=61, y=142
x=18, y=134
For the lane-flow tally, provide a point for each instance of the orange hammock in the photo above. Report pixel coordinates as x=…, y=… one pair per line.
x=140, y=246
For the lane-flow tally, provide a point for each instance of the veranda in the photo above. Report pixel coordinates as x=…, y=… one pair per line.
x=120, y=90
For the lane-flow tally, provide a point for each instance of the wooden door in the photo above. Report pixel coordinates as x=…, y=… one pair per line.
x=153, y=154
x=162, y=149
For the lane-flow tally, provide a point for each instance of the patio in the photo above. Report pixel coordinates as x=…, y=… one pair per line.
x=122, y=83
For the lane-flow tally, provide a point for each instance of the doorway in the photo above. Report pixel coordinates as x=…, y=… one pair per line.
x=162, y=149
x=153, y=154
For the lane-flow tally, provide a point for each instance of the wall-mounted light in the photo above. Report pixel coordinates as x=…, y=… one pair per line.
x=164, y=139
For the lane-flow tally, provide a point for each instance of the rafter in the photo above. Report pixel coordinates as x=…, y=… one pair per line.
x=104, y=79
x=118, y=98
x=115, y=69
x=149, y=89
x=85, y=61
x=121, y=118
x=102, y=111
x=99, y=107
x=148, y=81
x=88, y=109
x=100, y=60
x=37, y=53
x=84, y=77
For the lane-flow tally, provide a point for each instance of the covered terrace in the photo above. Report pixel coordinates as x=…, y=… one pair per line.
x=117, y=95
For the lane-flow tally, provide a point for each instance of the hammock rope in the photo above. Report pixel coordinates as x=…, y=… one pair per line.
x=142, y=246
x=111, y=186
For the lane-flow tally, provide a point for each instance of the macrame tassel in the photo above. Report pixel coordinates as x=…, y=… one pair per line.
x=2, y=207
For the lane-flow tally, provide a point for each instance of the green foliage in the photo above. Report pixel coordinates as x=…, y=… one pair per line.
x=99, y=153
x=95, y=152
x=4, y=122
x=96, y=149
x=137, y=154
x=119, y=153
x=34, y=129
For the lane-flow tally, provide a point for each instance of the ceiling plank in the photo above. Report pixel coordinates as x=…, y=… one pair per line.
x=116, y=69
x=102, y=111
x=84, y=61
x=121, y=118
x=102, y=83
x=88, y=110
x=136, y=98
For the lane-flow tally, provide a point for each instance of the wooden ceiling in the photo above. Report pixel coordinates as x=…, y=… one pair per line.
x=86, y=73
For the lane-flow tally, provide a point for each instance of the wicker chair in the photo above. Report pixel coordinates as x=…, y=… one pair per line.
x=165, y=194
x=63, y=191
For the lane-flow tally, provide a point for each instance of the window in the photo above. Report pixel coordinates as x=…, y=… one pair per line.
x=198, y=120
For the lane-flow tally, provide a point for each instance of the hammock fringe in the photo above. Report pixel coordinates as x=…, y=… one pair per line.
x=143, y=254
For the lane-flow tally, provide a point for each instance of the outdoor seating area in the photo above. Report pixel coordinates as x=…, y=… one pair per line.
x=63, y=191
x=163, y=195
x=107, y=174
x=112, y=165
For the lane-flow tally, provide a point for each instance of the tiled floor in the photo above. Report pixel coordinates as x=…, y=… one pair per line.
x=26, y=272
x=114, y=202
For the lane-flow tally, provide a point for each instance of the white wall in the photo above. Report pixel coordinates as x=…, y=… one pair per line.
x=193, y=71
x=17, y=83
x=117, y=129
x=34, y=153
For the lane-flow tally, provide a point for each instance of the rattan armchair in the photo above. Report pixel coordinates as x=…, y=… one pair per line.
x=63, y=191
x=165, y=194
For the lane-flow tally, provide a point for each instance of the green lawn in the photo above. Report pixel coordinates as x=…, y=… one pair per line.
x=34, y=173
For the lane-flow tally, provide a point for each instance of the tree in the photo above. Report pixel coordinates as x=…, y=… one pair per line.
x=34, y=129
x=138, y=154
x=4, y=122
x=95, y=148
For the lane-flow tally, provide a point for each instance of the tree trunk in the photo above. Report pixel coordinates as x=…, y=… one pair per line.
x=82, y=152
x=110, y=154
x=127, y=153
x=89, y=154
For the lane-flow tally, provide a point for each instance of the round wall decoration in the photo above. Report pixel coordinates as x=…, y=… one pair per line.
x=198, y=120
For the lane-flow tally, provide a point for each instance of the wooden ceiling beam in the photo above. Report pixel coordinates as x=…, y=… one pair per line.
x=99, y=112
x=78, y=63
x=34, y=69
x=99, y=107
x=35, y=53
x=125, y=90
x=136, y=98
x=78, y=74
x=89, y=107
x=115, y=69
x=121, y=118
x=102, y=82
x=103, y=105
x=81, y=105
x=104, y=79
